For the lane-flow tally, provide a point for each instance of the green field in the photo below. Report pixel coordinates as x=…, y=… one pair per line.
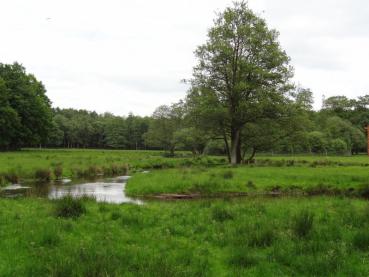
x=15, y=166
x=295, y=235
x=259, y=237
x=218, y=180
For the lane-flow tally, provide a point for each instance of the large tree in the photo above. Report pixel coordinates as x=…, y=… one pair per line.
x=242, y=71
x=166, y=122
x=25, y=113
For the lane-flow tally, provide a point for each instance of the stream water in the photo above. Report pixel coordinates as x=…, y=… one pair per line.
x=109, y=190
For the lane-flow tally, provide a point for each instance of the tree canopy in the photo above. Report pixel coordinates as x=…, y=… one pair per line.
x=243, y=71
x=25, y=112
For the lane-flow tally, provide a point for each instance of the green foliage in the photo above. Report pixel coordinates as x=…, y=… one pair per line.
x=239, y=57
x=25, y=113
x=166, y=122
x=338, y=146
x=317, y=142
x=69, y=207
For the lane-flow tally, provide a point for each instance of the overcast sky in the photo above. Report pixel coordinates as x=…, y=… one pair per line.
x=130, y=56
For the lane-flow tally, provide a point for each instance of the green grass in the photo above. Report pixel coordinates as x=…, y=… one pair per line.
x=78, y=163
x=253, y=236
x=359, y=160
x=250, y=179
x=256, y=237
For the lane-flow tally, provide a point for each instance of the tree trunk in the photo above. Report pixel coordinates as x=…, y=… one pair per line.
x=227, y=147
x=235, y=147
x=251, y=158
x=239, y=153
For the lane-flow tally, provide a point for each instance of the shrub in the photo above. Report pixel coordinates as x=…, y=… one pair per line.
x=43, y=174
x=69, y=207
x=58, y=171
x=303, y=223
x=338, y=146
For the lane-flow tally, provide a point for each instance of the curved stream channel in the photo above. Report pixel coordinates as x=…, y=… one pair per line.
x=110, y=190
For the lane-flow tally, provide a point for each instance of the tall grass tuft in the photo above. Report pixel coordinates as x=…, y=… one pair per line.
x=43, y=175
x=241, y=257
x=361, y=240
x=262, y=237
x=12, y=177
x=2, y=180
x=228, y=174
x=303, y=223
x=221, y=214
x=69, y=207
x=58, y=171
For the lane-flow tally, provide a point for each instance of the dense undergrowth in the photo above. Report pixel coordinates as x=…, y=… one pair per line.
x=318, y=236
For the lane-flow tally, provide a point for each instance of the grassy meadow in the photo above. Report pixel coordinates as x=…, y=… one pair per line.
x=78, y=163
x=319, y=236
x=252, y=180
x=314, y=228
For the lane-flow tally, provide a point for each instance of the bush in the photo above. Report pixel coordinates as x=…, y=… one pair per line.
x=338, y=146
x=69, y=207
x=303, y=223
x=43, y=174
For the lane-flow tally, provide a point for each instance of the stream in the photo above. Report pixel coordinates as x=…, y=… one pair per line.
x=110, y=190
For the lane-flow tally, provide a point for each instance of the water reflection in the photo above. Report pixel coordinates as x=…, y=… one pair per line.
x=106, y=190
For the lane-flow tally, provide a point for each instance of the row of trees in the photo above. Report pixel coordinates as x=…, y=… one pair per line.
x=80, y=128
x=194, y=124
x=299, y=129
x=240, y=101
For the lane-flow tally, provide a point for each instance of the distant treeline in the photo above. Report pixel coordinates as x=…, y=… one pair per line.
x=27, y=120
x=83, y=129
